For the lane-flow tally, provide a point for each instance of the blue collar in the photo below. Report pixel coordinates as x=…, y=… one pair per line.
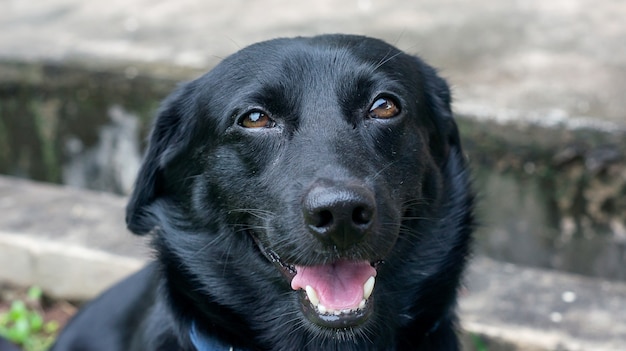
x=203, y=342
x=434, y=327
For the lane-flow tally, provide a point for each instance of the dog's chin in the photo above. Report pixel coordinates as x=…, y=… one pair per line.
x=336, y=296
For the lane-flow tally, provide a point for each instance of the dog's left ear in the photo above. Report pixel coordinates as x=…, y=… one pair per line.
x=171, y=129
x=438, y=101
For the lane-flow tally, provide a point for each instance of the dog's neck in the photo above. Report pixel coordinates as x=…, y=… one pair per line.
x=204, y=342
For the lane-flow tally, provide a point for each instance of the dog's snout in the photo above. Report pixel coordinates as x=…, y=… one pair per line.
x=339, y=215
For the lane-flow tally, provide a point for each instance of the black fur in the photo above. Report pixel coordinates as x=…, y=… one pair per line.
x=211, y=191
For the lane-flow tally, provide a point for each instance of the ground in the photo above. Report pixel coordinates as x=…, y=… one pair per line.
x=56, y=311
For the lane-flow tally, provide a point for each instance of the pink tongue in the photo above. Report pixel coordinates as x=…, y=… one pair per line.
x=338, y=285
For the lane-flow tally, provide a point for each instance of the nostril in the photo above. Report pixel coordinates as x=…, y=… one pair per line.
x=361, y=215
x=324, y=219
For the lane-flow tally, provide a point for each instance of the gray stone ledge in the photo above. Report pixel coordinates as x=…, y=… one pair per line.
x=543, y=310
x=63, y=270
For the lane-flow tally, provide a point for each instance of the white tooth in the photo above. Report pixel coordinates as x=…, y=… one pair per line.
x=346, y=311
x=312, y=294
x=321, y=308
x=362, y=304
x=337, y=312
x=368, y=287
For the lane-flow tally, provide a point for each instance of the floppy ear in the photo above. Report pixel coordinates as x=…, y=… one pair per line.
x=438, y=100
x=167, y=140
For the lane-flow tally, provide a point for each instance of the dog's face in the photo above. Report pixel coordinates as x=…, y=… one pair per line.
x=308, y=193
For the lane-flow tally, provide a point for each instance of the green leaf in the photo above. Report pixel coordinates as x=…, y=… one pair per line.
x=35, y=293
x=36, y=322
x=479, y=343
x=4, y=319
x=18, y=310
x=51, y=327
x=19, y=332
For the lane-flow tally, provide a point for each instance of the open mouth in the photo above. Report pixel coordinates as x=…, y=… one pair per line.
x=336, y=294
x=333, y=295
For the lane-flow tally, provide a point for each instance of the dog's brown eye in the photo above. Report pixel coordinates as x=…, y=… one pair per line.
x=384, y=108
x=257, y=119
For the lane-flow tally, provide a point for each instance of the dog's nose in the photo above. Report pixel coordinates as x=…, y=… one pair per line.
x=339, y=215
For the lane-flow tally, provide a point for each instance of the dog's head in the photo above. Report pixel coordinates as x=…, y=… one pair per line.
x=308, y=188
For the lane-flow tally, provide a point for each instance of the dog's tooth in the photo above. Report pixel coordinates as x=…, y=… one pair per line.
x=362, y=304
x=321, y=308
x=337, y=312
x=368, y=287
x=312, y=294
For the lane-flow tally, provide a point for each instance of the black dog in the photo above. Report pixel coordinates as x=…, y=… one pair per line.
x=305, y=194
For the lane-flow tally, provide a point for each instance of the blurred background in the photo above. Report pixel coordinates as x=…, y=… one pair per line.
x=539, y=95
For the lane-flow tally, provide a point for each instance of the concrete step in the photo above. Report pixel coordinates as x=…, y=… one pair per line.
x=73, y=243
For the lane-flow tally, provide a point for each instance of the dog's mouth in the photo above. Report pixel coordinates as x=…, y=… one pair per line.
x=333, y=295
x=336, y=294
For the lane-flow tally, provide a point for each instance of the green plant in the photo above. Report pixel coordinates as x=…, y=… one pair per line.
x=479, y=342
x=24, y=325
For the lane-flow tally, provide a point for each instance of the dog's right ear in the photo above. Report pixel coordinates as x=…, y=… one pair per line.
x=170, y=135
x=438, y=99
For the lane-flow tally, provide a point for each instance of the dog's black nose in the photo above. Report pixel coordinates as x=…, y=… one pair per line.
x=339, y=215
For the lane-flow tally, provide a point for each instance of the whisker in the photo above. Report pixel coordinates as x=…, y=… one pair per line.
x=387, y=59
x=380, y=171
x=259, y=213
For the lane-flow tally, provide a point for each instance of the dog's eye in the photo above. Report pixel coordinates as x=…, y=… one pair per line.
x=257, y=119
x=384, y=108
